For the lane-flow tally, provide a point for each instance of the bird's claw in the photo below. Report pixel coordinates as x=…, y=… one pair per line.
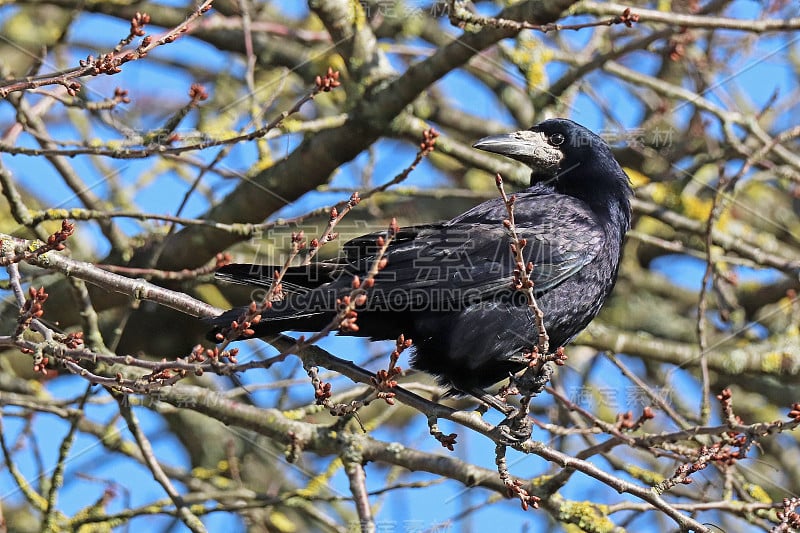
x=533, y=383
x=515, y=429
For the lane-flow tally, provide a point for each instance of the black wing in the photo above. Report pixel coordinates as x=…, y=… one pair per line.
x=463, y=260
x=469, y=257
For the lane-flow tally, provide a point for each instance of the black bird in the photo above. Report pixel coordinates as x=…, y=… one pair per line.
x=448, y=286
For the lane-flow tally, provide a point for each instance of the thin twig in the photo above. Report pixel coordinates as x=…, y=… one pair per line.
x=168, y=147
x=109, y=63
x=57, y=478
x=184, y=513
x=358, y=488
x=522, y=272
x=460, y=16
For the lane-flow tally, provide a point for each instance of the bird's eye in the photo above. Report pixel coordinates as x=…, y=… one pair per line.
x=556, y=139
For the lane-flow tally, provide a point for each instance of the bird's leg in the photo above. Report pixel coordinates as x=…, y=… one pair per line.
x=491, y=400
x=516, y=426
x=532, y=381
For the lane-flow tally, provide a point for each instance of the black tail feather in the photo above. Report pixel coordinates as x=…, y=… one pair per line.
x=306, y=276
x=271, y=323
x=292, y=314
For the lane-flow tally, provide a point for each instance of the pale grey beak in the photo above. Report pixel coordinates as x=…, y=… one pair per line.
x=529, y=147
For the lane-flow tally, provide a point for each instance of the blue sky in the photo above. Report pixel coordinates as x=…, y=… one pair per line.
x=430, y=506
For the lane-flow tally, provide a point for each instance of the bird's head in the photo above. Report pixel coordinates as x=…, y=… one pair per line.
x=561, y=153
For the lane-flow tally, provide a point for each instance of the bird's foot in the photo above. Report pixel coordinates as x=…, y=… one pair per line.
x=515, y=429
x=531, y=382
